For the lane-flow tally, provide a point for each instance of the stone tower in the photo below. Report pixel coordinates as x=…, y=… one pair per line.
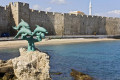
x=19, y=11
x=90, y=8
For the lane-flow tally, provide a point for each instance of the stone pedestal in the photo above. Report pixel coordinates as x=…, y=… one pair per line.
x=32, y=65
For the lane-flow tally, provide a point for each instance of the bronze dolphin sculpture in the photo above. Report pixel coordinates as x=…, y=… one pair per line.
x=21, y=24
x=23, y=30
x=39, y=29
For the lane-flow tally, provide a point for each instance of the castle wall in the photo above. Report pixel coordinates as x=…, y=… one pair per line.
x=53, y=22
x=43, y=19
x=59, y=24
x=113, y=26
x=94, y=24
x=14, y=13
x=71, y=24
x=56, y=23
x=13, y=20
x=23, y=12
x=84, y=25
x=4, y=16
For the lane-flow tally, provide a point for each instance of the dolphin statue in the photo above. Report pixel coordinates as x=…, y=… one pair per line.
x=23, y=30
x=39, y=29
x=22, y=24
x=40, y=36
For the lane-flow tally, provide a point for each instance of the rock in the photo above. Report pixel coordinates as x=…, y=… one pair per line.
x=55, y=73
x=6, y=70
x=29, y=66
x=80, y=76
x=32, y=65
x=6, y=66
x=5, y=63
x=9, y=76
x=1, y=61
x=9, y=61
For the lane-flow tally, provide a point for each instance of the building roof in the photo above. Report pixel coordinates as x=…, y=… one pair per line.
x=77, y=12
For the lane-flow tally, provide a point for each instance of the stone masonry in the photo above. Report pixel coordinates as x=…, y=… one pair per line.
x=56, y=23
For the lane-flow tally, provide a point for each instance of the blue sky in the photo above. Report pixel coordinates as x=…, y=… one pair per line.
x=109, y=8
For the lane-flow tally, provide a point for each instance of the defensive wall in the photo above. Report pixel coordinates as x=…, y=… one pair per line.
x=56, y=23
x=4, y=19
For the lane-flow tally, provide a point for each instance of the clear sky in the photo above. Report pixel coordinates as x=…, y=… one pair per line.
x=109, y=8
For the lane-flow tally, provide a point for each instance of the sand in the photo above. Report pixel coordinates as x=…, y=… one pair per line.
x=23, y=43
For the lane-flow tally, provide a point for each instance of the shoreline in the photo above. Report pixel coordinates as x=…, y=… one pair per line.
x=23, y=43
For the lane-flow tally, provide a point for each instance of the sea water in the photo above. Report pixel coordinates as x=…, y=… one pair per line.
x=101, y=60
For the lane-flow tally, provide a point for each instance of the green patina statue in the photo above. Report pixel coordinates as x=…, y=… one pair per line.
x=26, y=34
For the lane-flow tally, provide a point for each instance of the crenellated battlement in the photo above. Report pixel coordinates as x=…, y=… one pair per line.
x=25, y=5
x=113, y=18
x=88, y=16
x=35, y=11
x=110, y=18
x=49, y=13
x=69, y=14
x=4, y=8
x=1, y=7
x=66, y=14
x=15, y=4
x=55, y=22
x=56, y=13
x=44, y=12
x=117, y=18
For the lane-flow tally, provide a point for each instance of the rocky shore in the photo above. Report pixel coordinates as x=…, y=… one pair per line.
x=28, y=66
x=32, y=65
x=79, y=75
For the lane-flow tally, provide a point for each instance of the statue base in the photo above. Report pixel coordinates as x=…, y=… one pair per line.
x=33, y=65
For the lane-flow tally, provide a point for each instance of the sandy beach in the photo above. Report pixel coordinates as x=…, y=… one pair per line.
x=23, y=43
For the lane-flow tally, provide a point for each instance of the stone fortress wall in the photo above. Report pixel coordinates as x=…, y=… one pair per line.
x=56, y=23
x=4, y=19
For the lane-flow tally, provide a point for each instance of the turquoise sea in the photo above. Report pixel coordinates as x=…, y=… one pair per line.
x=100, y=60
